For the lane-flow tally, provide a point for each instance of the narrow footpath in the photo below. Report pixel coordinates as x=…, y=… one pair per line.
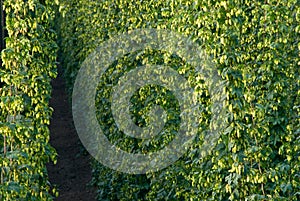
x=72, y=172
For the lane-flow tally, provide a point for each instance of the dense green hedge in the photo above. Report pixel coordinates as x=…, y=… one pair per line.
x=255, y=45
x=29, y=64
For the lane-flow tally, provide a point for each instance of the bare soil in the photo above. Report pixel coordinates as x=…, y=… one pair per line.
x=72, y=172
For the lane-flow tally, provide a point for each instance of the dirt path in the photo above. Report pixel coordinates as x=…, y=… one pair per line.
x=72, y=171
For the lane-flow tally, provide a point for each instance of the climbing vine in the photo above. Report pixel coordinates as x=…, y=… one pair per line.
x=28, y=65
x=255, y=46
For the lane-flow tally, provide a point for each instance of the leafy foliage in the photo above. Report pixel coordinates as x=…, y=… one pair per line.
x=255, y=45
x=28, y=66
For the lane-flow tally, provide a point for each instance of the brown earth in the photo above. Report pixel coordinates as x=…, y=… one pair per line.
x=72, y=172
